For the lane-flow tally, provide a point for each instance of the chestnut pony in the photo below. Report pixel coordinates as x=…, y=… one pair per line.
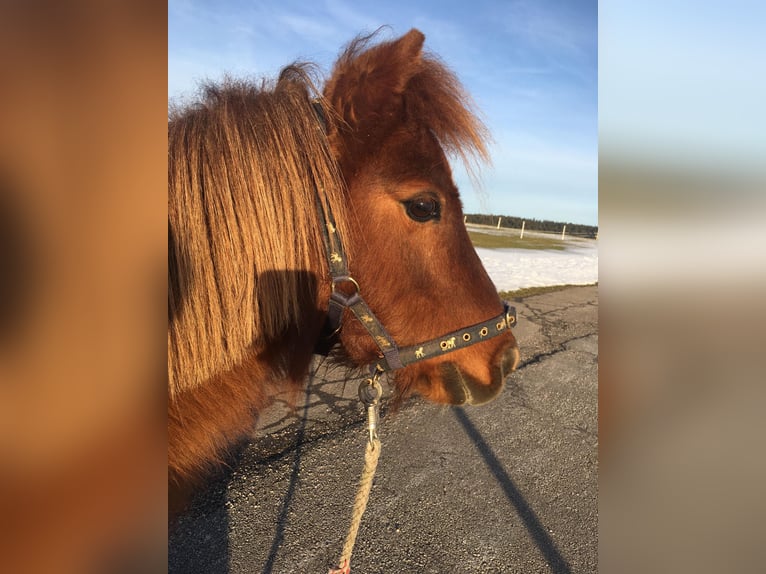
x=257, y=176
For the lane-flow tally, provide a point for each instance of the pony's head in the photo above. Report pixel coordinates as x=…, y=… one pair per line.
x=395, y=113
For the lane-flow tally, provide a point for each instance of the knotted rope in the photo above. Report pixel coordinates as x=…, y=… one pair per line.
x=371, y=456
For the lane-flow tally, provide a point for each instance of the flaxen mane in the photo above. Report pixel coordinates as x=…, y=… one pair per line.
x=244, y=167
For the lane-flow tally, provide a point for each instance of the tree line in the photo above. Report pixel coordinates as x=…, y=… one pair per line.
x=544, y=225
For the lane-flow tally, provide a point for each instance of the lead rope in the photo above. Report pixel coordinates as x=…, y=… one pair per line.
x=370, y=392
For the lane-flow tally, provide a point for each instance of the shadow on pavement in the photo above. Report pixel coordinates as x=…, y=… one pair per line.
x=202, y=539
x=553, y=557
x=279, y=533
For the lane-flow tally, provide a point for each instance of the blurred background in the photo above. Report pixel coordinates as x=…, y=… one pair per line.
x=682, y=276
x=83, y=112
x=83, y=108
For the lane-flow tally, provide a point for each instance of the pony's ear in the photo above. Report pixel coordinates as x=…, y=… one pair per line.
x=366, y=86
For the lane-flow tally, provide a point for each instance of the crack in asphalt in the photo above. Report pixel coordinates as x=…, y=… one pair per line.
x=557, y=348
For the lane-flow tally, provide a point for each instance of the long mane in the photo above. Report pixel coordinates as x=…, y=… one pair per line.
x=245, y=164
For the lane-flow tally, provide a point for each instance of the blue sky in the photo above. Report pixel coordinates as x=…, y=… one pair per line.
x=530, y=66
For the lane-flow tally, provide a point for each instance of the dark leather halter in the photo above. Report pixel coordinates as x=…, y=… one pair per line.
x=392, y=357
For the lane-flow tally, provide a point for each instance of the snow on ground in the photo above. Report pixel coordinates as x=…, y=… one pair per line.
x=517, y=268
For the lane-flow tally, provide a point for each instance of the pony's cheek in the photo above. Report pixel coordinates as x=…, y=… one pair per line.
x=357, y=343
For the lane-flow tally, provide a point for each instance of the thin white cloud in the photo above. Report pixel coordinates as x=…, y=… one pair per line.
x=547, y=27
x=348, y=17
x=527, y=150
x=310, y=29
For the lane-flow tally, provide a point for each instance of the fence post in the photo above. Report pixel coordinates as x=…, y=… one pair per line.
x=523, y=223
x=563, y=232
x=499, y=219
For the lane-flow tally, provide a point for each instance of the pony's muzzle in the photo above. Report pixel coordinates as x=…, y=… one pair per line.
x=465, y=389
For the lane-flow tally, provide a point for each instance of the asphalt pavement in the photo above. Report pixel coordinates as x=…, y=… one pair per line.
x=507, y=487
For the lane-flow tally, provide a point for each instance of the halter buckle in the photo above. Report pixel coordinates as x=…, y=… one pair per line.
x=510, y=316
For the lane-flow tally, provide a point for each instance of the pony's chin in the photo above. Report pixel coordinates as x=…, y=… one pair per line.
x=464, y=389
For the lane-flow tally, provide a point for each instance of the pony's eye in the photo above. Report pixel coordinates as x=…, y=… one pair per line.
x=423, y=208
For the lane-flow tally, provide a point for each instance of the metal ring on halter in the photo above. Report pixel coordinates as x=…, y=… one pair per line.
x=344, y=279
x=370, y=391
